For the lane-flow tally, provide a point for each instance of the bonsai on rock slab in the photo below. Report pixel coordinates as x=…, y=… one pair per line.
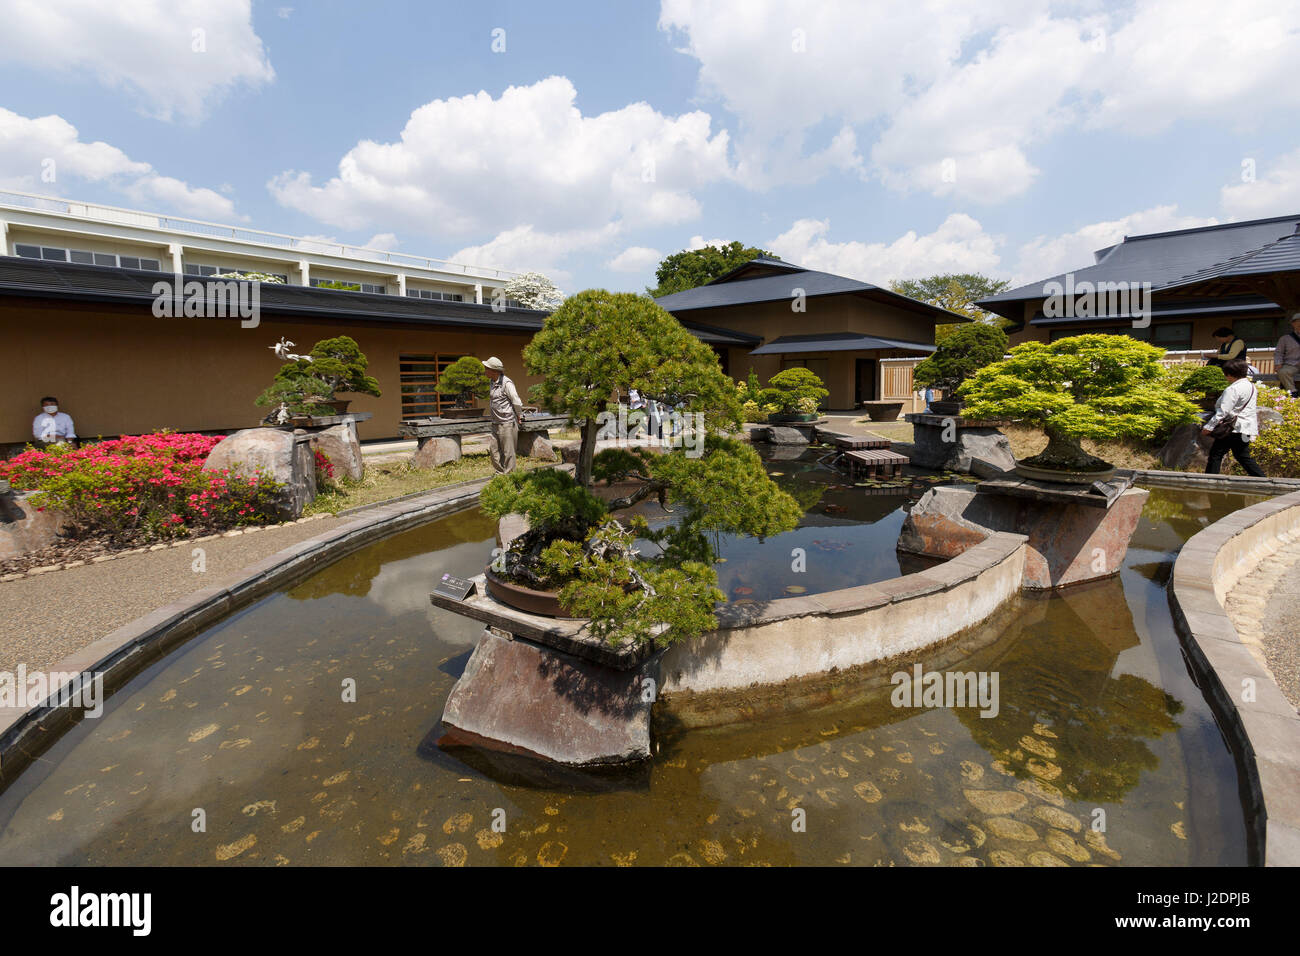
x=1101, y=387
x=467, y=380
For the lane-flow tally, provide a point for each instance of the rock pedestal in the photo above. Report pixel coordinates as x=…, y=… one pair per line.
x=536, y=444
x=339, y=443
x=284, y=456
x=784, y=435
x=1184, y=451
x=950, y=443
x=1068, y=543
x=437, y=451
x=523, y=698
x=23, y=528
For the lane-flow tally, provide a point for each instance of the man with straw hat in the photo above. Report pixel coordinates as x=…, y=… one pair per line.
x=507, y=413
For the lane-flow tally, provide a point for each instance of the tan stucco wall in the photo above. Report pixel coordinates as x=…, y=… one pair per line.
x=123, y=371
x=771, y=320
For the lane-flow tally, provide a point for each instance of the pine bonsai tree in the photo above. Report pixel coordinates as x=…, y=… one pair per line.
x=341, y=363
x=1101, y=387
x=464, y=378
x=962, y=353
x=600, y=344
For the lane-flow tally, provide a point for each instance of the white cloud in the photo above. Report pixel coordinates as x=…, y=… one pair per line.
x=529, y=157
x=1046, y=256
x=150, y=48
x=386, y=241
x=981, y=85
x=525, y=248
x=959, y=244
x=1274, y=192
x=635, y=259
x=43, y=154
x=699, y=242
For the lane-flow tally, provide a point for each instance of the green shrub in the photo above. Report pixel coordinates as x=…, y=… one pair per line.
x=796, y=389
x=1277, y=449
x=962, y=353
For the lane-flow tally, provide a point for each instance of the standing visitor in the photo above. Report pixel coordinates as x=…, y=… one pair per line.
x=1286, y=358
x=1236, y=414
x=507, y=413
x=52, y=426
x=1230, y=347
x=636, y=418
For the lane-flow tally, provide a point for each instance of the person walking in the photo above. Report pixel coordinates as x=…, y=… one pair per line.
x=507, y=413
x=1286, y=358
x=1236, y=416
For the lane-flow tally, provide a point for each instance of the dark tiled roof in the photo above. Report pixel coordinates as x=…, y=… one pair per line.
x=1161, y=259
x=715, y=335
x=1280, y=256
x=733, y=289
x=67, y=281
x=835, y=342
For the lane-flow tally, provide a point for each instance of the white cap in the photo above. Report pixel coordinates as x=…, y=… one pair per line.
x=494, y=363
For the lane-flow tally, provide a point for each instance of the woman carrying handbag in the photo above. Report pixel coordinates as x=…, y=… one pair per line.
x=1235, y=422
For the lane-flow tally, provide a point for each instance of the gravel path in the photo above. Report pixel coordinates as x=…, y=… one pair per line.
x=45, y=618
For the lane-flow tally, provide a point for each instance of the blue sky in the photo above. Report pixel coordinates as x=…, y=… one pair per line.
x=877, y=140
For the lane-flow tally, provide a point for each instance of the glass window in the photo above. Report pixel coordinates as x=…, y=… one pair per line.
x=152, y=265
x=1258, y=333
x=1173, y=335
x=105, y=259
x=28, y=252
x=81, y=257
x=129, y=262
x=57, y=255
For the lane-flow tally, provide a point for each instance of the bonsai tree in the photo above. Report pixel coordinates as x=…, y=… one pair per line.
x=1086, y=386
x=626, y=342
x=464, y=378
x=962, y=353
x=796, y=389
x=1204, y=383
x=306, y=382
x=576, y=545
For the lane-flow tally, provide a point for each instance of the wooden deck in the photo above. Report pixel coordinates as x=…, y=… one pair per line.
x=875, y=463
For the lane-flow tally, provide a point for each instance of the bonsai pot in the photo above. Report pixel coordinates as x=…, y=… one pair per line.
x=461, y=413
x=945, y=406
x=883, y=411
x=545, y=603
x=1062, y=476
x=778, y=417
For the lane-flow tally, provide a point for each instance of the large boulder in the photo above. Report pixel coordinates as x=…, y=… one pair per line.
x=952, y=447
x=526, y=699
x=284, y=456
x=340, y=445
x=1184, y=451
x=437, y=451
x=23, y=528
x=536, y=444
x=782, y=435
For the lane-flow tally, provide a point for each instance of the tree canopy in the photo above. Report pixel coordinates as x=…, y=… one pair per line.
x=967, y=350
x=691, y=268
x=955, y=292
x=601, y=344
x=533, y=290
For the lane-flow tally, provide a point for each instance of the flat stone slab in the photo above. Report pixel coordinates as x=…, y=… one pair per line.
x=1100, y=494
x=446, y=427
x=535, y=701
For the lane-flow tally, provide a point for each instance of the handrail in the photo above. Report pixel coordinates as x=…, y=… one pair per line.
x=115, y=214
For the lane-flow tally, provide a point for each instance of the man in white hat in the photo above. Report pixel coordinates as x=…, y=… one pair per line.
x=507, y=413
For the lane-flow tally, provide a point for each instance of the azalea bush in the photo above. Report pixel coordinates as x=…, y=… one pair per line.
x=1277, y=449
x=140, y=488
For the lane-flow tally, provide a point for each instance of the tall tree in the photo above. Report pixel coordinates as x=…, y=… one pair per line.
x=955, y=292
x=694, y=267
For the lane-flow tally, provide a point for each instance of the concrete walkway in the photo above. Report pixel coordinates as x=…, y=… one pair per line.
x=1264, y=607
x=48, y=617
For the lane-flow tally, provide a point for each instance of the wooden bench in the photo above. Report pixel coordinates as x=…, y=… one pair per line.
x=875, y=462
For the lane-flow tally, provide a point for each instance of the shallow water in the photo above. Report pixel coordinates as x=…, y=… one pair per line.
x=248, y=724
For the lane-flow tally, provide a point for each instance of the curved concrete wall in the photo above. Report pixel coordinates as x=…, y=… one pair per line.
x=1252, y=711
x=804, y=637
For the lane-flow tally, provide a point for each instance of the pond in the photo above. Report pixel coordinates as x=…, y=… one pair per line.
x=248, y=729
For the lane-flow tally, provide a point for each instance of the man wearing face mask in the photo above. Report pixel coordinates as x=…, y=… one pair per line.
x=51, y=425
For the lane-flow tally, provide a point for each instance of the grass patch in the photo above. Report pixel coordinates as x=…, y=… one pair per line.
x=388, y=480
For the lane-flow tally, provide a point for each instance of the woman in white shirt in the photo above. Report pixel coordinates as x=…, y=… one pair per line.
x=1238, y=403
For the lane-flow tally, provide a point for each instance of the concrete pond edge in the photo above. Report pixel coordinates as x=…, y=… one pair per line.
x=1262, y=726
x=124, y=653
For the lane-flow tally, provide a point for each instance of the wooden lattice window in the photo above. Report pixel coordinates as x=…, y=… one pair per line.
x=418, y=374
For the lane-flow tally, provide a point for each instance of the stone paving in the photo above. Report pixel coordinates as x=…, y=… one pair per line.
x=1264, y=608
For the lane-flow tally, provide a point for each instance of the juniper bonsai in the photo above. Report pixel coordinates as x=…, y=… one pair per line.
x=1087, y=386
